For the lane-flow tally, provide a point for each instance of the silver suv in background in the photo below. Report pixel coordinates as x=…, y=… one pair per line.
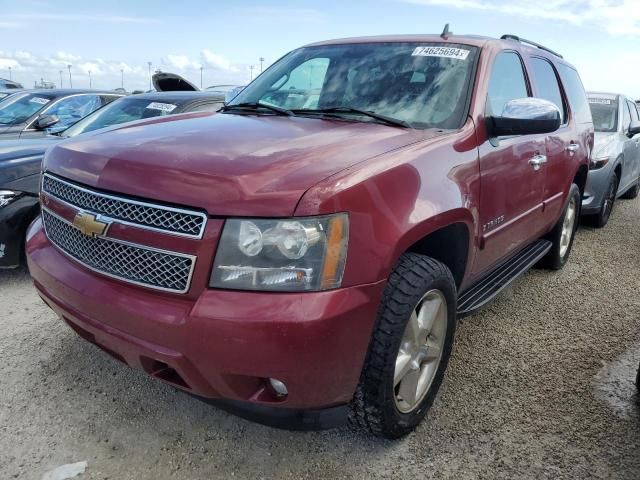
x=615, y=161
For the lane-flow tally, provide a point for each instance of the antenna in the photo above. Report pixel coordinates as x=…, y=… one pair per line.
x=445, y=33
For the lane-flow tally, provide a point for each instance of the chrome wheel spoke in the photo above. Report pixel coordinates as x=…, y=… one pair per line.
x=408, y=390
x=420, y=351
x=403, y=366
x=432, y=351
x=428, y=312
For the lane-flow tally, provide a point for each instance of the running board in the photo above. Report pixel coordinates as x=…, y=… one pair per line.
x=486, y=289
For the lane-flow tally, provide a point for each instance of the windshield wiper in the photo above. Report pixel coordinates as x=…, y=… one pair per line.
x=256, y=106
x=338, y=110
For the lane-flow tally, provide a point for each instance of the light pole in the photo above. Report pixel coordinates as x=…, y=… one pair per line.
x=10, y=74
x=251, y=69
x=201, y=69
x=122, y=78
x=90, y=84
x=60, y=72
x=70, y=82
x=149, y=65
x=261, y=61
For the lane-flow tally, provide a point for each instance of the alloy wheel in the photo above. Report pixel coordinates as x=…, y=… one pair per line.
x=420, y=351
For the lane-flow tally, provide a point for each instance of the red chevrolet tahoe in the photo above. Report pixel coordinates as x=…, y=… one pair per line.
x=303, y=255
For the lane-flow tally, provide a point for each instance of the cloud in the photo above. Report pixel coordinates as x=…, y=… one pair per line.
x=12, y=25
x=621, y=17
x=26, y=67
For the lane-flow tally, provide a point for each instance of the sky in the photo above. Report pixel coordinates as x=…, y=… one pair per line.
x=115, y=40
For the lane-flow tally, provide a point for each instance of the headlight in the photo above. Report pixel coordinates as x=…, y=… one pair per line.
x=598, y=162
x=295, y=254
x=8, y=196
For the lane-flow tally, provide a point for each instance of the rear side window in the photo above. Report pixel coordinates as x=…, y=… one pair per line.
x=575, y=93
x=507, y=82
x=626, y=117
x=634, y=111
x=546, y=83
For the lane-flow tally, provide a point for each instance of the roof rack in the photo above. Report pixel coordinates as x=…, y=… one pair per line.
x=529, y=42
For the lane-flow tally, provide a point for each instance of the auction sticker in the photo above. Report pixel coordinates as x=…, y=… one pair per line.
x=443, y=52
x=39, y=100
x=602, y=101
x=165, y=107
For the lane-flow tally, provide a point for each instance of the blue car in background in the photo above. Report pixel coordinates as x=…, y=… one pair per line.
x=37, y=113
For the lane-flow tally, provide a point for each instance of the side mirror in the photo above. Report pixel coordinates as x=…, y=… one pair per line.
x=526, y=116
x=45, y=121
x=634, y=128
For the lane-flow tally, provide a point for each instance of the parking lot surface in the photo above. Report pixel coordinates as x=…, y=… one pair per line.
x=540, y=385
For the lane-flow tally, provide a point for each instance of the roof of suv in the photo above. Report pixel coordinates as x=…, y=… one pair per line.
x=473, y=40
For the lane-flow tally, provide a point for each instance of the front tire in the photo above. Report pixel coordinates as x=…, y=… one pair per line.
x=633, y=191
x=564, y=231
x=409, y=349
x=602, y=217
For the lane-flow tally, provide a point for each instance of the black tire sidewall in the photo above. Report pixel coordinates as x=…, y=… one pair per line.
x=602, y=220
x=399, y=423
x=554, y=260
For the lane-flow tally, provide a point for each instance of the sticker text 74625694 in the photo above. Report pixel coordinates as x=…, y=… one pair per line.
x=444, y=52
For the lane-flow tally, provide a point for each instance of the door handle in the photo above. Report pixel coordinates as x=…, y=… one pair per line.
x=573, y=148
x=537, y=161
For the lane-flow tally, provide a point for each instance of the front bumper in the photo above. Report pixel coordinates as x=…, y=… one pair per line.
x=14, y=220
x=221, y=344
x=596, y=188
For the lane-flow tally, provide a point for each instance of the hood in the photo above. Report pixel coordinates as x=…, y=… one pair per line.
x=604, y=144
x=22, y=158
x=225, y=164
x=172, y=82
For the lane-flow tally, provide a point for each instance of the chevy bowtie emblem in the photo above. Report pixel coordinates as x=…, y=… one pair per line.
x=88, y=224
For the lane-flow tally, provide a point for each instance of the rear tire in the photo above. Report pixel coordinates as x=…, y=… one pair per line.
x=633, y=191
x=564, y=231
x=602, y=217
x=409, y=349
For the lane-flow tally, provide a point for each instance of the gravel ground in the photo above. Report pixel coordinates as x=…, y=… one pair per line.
x=539, y=386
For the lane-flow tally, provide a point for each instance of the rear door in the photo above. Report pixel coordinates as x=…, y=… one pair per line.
x=561, y=146
x=632, y=150
x=511, y=188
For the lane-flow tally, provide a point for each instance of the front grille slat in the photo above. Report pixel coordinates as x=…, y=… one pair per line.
x=158, y=217
x=133, y=263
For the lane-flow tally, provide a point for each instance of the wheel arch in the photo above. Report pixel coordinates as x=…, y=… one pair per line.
x=446, y=238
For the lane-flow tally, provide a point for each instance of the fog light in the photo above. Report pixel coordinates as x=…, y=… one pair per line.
x=278, y=387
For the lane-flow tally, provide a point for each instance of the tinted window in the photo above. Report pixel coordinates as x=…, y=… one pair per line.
x=124, y=110
x=546, y=83
x=205, y=107
x=72, y=109
x=626, y=116
x=507, y=82
x=604, y=110
x=575, y=93
x=425, y=84
x=634, y=111
x=22, y=107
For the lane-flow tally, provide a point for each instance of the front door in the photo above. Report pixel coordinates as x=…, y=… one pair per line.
x=512, y=177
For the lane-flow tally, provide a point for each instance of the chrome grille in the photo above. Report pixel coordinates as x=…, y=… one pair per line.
x=132, y=263
x=157, y=217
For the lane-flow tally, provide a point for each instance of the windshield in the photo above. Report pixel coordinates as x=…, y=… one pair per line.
x=423, y=84
x=124, y=110
x=604, y=111
x=20, y=109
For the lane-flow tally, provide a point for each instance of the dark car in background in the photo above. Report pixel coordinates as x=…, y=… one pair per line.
x=41, y=112
x=20, y=160
x=6, y=93
x=10, y=84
